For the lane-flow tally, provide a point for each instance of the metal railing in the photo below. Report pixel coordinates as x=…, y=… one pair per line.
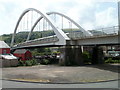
x=49, y=39
x=97, y=32
x=72, y=35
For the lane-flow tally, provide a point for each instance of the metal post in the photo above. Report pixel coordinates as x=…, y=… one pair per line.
x=27, y=20
x=23, y=23
x=43, y=26
x=22, y=27
x=39, y=30
x=54, y=18
x=46, y=25
x=39, y=25
x=31, y=18
x=118, y=21
x=114, y=29
x=102, y=32
x=70, y=28
x=62, y=22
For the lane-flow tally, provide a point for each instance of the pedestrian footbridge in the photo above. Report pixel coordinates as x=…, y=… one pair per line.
x=75, y=35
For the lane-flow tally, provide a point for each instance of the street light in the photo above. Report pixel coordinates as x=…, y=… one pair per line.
x=119, y=21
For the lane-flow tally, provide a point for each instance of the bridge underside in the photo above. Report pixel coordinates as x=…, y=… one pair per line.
x=101, y=40
x=88, y=41
x=70, y=43
x=36, y=46
x=72, y=51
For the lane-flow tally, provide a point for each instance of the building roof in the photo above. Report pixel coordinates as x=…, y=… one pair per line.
x=20, y=51
x=3, y=45
x=10, y=56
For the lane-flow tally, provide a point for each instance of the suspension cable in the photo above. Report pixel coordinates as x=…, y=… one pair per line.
x=54, y=18
x=62, y=22
x=27, y=20
x=31, y=18
x=43, y=26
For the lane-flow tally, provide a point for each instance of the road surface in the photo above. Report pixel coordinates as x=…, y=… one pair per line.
x=13, y=84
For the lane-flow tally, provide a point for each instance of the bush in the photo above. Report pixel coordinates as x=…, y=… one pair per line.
x=86, y=57
x=21, y=63
x=27, y=62
x=45, y=61
x=56, y=52
x=34, y=62
x=110, y=60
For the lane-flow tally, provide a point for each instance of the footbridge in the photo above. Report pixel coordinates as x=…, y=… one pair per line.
x=75, y=35
x=57, y=29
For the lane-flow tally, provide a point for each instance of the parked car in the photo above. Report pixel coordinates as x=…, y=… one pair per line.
x=115, y=55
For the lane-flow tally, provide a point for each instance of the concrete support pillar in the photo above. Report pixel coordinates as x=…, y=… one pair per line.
x=78, y=55
x=71, y=55
x=82, y=48
x=97, y=55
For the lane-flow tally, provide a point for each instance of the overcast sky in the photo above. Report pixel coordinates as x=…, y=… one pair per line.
x=90, y=14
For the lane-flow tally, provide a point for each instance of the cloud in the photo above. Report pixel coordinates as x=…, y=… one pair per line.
x=106, y=18
x=84, y=12
x=88, y=25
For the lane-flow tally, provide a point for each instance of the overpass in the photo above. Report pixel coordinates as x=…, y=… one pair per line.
x=75, y=39
x=78, y=37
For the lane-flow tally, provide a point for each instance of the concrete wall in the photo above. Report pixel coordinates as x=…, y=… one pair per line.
x=8, y=63
x=71, y=55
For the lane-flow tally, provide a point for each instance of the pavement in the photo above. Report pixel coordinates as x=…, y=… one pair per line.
x=54, y=74
x=12, y=85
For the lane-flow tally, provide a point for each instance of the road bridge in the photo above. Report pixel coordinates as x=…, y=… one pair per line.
x=72, y=39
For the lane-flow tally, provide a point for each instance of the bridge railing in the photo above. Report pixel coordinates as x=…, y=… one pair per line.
x=72, y=35
x=97, y=32
x=49, y=39
x=108, y=30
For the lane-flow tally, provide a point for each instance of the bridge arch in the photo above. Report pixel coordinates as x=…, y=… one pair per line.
x=60, y=34
x=87, y=33
x=83, y=30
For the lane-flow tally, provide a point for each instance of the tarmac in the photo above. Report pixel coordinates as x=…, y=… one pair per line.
x=62, y=74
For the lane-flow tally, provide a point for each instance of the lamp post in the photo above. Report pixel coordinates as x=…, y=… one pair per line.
x=119, y=21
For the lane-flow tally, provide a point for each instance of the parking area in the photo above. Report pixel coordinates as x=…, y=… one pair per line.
x=62, y=74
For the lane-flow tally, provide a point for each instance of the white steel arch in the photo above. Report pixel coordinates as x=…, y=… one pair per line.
x=60, y=34
x=87, y=33
x=83, y=30
x=33, y=28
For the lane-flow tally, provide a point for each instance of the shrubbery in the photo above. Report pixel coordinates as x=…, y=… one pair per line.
x=21, y=63
x=27, y=62
x=45, y=62
x=110, y=60
x=86, y=57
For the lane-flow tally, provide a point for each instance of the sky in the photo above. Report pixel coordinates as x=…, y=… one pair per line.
x=90, y=14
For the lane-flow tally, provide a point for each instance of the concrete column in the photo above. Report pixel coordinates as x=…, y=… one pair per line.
x=78, y=55
x=97, y=55
x=71, y=55
x=66, y=55
x=62, y=56
x=82, y=48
